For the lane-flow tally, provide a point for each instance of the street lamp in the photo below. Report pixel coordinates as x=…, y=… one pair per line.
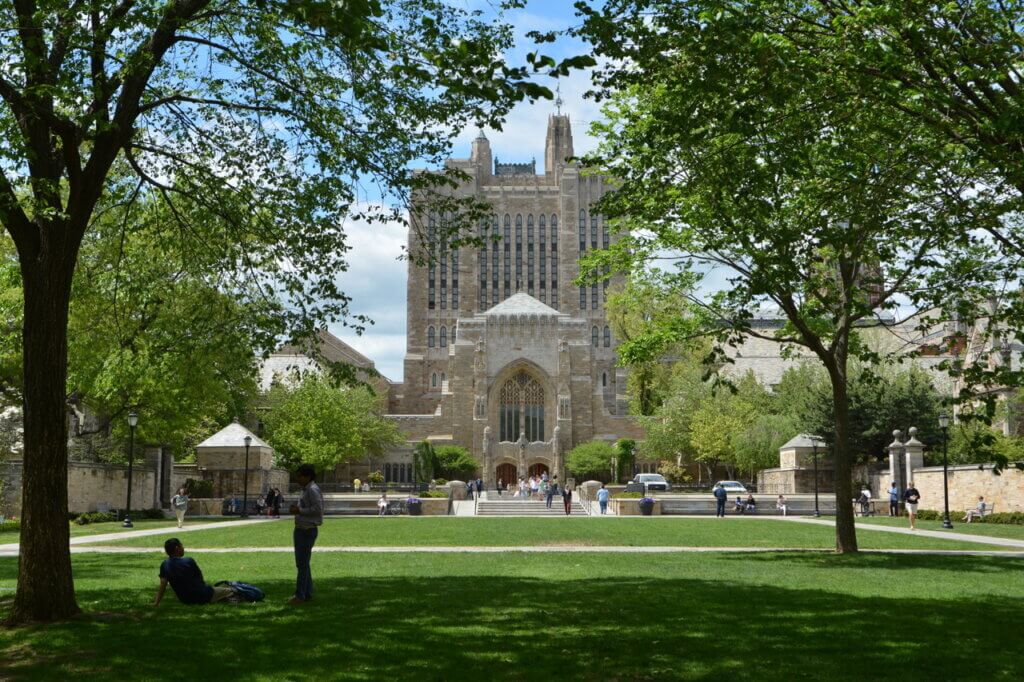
x=133, y=420
x=245, y=481
x=814, y=446
x=944, y=425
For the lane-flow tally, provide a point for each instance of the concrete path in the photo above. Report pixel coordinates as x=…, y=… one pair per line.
x=11, y=549
x=941, y=534
x=549, y=549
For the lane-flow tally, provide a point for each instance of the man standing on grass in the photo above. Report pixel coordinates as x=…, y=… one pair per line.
x=720, y=497
x=911, y=497
x=894, y=499
x=309, y=516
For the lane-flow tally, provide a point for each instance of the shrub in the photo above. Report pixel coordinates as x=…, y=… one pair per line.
x=375, y=478
x=149, y=514
x=95, y=517
x=10, y=526
x=672, y=472
x=440, y=481
x=627, y=496
x=591, y=460
x=434, y=493
x=1003, y=518
x=198, y=488
x=454, y=462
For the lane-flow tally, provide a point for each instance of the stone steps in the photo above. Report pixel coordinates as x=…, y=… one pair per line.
x=515, y=507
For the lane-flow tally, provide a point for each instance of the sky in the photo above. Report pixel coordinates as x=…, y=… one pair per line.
x=376, y=278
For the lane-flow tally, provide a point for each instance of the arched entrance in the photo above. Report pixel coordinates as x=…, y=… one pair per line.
x=506, y=473
x=538, y=469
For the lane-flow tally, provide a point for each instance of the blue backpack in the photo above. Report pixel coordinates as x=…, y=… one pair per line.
x=244, y=591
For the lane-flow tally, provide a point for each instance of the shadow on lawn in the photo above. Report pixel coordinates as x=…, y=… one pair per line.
x=526, y=628
x=870, y=561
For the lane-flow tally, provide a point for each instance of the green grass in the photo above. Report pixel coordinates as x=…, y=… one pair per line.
x=505, y=616
x=111, y=527
x=532, y=532
x=994, y=530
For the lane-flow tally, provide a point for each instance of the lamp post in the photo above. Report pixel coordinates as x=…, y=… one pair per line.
x=133, y=420
x=245, y=481
x=944, y=425
x=814, y=446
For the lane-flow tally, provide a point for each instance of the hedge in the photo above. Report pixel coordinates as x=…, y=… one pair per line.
x=1003, y=518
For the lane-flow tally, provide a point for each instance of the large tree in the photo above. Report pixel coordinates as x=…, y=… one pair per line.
x=260, y=121
x=733, y=150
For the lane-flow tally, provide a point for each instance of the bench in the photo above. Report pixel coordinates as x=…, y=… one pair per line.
x=691, y=506
x=975, y=514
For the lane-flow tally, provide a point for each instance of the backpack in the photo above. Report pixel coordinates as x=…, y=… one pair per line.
x=244, y=592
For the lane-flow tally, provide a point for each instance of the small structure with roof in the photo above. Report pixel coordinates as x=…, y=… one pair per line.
x=221, y=459
x=795, y=473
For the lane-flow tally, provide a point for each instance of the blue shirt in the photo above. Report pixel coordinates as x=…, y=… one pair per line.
x=894, y=494
x=602, y=495
x=720, y=494
x=186, y=580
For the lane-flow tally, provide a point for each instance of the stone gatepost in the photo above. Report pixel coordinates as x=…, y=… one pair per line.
x=904, y=457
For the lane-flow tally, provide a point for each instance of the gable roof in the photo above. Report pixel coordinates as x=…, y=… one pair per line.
x=232, y=436
x=522, y=304
x=803, y=440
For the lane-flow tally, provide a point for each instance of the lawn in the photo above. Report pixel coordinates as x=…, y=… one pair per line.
x=527, y=532
x=995, y=530
x=111, y=527
x=514, y=616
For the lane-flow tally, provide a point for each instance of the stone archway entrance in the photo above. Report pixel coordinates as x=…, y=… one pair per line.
x=539, y=468
x=506, y=473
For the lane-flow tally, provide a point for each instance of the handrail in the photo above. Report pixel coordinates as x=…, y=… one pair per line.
x=585, y=501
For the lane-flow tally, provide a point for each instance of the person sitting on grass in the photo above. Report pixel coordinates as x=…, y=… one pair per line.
x=186, y=579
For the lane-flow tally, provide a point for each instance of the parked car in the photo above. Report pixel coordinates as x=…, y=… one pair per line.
x=652, y=482
x=733, y=486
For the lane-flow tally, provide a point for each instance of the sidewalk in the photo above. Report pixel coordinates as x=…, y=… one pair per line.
x=11, y=549
x=943, y=535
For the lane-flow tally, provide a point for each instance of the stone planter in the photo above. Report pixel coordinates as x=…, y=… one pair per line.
x=434, y=506
x=630, y=506
x=415, y=508
x=206, y=506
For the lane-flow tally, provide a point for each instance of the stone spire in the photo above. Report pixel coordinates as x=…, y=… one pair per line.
x=559, y=142
x=480, y=152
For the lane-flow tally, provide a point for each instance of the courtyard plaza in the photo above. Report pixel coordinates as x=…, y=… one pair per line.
x=592, y=598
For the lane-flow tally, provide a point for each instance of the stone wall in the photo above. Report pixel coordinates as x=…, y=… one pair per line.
x=90, y=486
x=966, y=483
x=790, y=481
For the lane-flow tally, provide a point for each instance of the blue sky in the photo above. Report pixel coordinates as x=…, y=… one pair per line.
x=376, y=279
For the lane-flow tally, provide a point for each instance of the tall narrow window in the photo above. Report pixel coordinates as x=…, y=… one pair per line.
x=455, y=279
x=433, y=380
x=430, y=336
x=507, y=245
x=542, y=251
x=583, y=230
x=554, y=261
x=593, y=230
x=593, y=296
x=593, y=335
x=443, y=337
x=604, y=379
x=604, y=234
x=455, y=329
x=431, y=270
x=583, y=298
x=495, y=237
x=444, y=271
x=607, y=337
x=529, y=254
x=519, y=250
x=443, y=378
x=482, y=265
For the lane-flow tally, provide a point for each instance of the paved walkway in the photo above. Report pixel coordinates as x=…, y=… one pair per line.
x=11, y=549
x=941, y=534
x=547, y=549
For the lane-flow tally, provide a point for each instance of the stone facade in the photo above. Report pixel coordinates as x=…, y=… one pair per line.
x=966, y=483
x=504, y=355
x=91, y=487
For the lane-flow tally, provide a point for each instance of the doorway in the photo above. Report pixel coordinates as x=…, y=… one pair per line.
x=539, y=469
x=506, y=473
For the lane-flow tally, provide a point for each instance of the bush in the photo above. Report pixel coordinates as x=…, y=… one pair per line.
x=149, y=514
x=440, y=481
x=627, y=496
x=452, y=461
x=10, y=526
x=434, y=493
x=673, y=473
x=95, y=517
x=198, y=488
x=375, y=478
x=591, y=460
x=1003, y=518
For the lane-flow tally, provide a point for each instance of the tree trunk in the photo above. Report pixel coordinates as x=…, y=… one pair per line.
x=46, y=591
x=846, y=531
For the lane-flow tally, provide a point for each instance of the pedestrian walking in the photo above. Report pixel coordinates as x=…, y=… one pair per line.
x=602, y=499
x=720, y=497
x=179, y=503
x=552, y=490
x=894, y=499
x=567, y=499
x=309, y=516
x=911, y=498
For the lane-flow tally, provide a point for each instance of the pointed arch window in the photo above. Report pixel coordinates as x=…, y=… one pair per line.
x=604, y=379
x=593, y=335
x=443, y=337
x=521, y=408
x=433, y=380
x=430, y=336
x=607, y=337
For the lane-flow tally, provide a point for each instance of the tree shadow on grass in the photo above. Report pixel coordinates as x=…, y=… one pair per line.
x=890, y=562
x=510, y=627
